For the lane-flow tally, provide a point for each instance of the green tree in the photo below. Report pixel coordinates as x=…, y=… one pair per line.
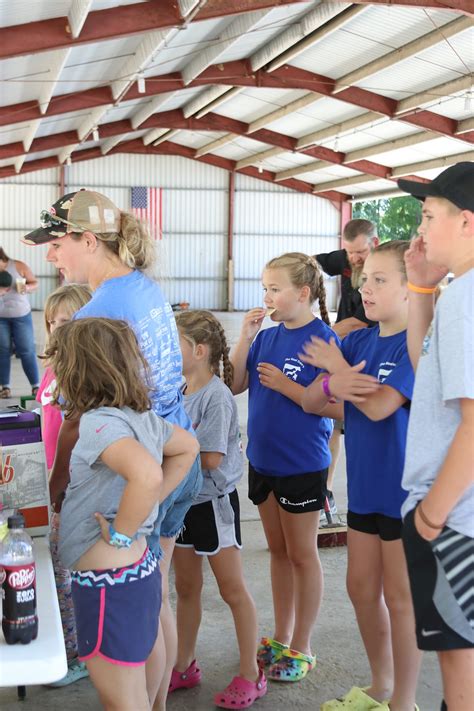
x=396, y=218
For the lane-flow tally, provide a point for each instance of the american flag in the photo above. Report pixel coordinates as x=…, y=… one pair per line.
x=147, y=205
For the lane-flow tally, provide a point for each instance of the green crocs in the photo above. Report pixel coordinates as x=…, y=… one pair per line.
x=269, y=651
x=292, y=666
x=355, y=700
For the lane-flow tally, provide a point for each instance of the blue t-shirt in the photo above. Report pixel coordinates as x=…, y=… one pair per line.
x=283, y=440
x=137, y=299
x=375, y=451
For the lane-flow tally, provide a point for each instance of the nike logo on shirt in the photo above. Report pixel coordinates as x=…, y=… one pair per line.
x=99, y=429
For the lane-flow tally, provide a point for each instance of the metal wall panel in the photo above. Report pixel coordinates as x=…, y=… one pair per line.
x=273, y=222
x=192, y=257
x=159, y=171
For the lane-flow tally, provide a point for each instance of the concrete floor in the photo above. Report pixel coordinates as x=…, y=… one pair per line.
x=336, y=641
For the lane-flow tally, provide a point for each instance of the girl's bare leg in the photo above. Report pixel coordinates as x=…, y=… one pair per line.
x=300, y=532
x=364, y=585
x=120, y=688
x=406, y=655
x=167, y=624
x=227, y=568
x=188, y=578
x=280, y=571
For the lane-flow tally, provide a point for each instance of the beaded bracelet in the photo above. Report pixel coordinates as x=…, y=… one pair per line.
x=426, y=520
x=421, y=289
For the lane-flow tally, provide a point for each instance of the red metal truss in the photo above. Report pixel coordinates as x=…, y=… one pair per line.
x=121, y=21
x=237, y=73
x=169, y=148
x=210, y=122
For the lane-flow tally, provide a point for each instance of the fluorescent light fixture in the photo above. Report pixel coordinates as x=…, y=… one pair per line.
x=68, y=160
x=95, y=134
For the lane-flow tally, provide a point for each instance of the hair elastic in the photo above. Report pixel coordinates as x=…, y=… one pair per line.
x=421, y=289
x=426, y=520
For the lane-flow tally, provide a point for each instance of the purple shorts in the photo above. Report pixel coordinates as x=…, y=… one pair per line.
x=117, y=611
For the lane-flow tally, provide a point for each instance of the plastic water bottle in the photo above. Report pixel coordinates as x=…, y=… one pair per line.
x=18, y=579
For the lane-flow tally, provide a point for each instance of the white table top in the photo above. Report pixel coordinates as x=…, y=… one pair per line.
x=43, y=660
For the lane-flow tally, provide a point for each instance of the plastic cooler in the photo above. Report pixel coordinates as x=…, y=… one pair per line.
x=24, y=476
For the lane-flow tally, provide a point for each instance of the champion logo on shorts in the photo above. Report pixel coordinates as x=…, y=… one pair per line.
x=285, y=502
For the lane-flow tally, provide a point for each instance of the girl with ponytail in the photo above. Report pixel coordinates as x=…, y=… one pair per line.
x=212, y=525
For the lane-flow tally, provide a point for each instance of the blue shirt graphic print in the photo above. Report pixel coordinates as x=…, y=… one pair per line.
x=137, y=299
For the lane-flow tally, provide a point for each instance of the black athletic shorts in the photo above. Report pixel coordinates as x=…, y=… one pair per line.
x=297, y=493
x=441, y=579
x=212, y=525
x=388, y=528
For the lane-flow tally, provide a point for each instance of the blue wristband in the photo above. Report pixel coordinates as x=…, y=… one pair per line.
x=119, y=540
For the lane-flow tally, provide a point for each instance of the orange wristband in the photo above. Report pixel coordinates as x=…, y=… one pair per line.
x=421, y=289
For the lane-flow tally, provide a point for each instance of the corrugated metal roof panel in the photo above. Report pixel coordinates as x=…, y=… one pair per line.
x=21, y=12
x=372, y=34
x=22, y=77
x=424, y=151
x=314, y=117
x=251, y=104
x=271, y=25
x=186, y=44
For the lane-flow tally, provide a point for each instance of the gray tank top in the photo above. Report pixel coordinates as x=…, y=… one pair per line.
x=13, y=304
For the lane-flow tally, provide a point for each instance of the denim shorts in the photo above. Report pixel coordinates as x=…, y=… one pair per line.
x=117, y=611
x=175, y=507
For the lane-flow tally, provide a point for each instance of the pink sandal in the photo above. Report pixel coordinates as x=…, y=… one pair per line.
x=241, y=693
x=185, y=680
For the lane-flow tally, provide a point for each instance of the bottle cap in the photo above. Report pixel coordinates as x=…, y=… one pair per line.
x=16, y=521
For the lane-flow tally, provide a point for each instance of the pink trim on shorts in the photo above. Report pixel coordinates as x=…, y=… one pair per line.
x=120, y=664
x=100, y=629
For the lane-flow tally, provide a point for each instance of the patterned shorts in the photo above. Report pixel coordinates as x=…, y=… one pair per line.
x=117, y=611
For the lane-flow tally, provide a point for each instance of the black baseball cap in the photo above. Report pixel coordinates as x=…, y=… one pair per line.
x=83, y=211
x=455, y=184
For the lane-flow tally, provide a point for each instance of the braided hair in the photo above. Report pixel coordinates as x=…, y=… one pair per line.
x=303, y=270
x=202, y=327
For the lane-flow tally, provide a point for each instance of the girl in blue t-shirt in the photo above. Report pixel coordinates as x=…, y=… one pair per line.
x=288, y=453
x=375, y=412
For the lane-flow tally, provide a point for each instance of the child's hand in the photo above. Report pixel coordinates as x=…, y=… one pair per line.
x=419, y=271
x=271, y=377
x=321, y=354
x=104, y=526
x=426, y=532
x=252, y=323
x=352, y=385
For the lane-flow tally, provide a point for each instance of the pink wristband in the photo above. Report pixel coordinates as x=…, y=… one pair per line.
x=325, y=384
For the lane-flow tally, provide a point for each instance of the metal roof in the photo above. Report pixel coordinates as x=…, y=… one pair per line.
x=334, y=98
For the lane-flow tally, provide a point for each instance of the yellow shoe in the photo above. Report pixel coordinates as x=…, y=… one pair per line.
x=355, y=700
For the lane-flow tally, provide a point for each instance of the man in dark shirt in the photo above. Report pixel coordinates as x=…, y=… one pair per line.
x=358, y=238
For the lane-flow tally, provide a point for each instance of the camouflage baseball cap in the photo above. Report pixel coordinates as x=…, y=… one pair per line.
x=83, y=211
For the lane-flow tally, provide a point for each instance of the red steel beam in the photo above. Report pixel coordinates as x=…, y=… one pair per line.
x=55, y=33
x=210, y=122
x=237, y=73
x=169, y=148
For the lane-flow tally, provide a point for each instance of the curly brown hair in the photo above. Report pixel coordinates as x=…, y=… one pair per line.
x=303, y=270
x=202, y=327
x=98, y=363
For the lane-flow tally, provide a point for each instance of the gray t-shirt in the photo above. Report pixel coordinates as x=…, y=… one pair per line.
x=213, y=413
x=93, y=486
x=445, y=374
